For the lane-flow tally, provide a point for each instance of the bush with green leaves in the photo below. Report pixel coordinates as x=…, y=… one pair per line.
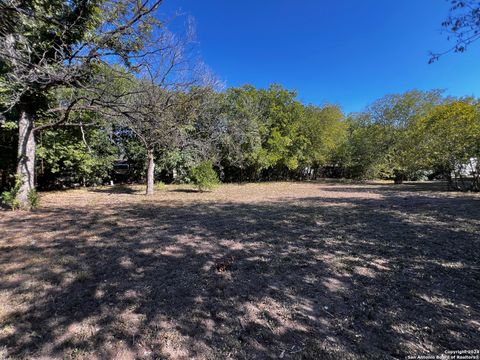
x=204, y=176
x=160, y=185
x=9, y=198
x=33, y=199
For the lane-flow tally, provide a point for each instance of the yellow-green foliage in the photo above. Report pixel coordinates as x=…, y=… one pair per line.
x=160, y=185
x=451, y=134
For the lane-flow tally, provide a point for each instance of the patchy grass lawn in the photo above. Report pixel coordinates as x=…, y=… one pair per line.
x=280, y=270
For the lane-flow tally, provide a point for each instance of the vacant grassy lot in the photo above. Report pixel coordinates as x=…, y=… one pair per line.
x=282, y=270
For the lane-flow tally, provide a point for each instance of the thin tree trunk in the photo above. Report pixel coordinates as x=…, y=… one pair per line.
x=399, y=177
x=26, y=157
x=150, y=172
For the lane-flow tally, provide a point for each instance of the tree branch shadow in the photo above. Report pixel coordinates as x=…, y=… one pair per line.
x=308, y=278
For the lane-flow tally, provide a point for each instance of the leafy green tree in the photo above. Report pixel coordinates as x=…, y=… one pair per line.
x=399, y=116
x=236, y=131
x=75, y=155
x=451, y=138
x=361, y=154
x=174, y=165
x=282, y=143
x=383, y=137
x=48, y=46
x=325, y=130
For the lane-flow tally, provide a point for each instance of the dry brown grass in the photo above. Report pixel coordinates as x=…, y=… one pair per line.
x=290, y=270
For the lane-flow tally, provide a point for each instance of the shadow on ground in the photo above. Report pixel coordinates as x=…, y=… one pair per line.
x=187, y=191
x=117, y=189
x=306, y=278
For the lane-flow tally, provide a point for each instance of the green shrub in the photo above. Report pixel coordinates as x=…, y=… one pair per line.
x=33, y=199
x=160, y=185
x=204, y=176
x=9, y=198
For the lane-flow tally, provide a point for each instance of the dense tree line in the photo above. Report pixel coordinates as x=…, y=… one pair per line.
x=252, y=134
x=87, y=87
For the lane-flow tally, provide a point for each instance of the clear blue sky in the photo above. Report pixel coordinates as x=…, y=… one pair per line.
x=347, y=52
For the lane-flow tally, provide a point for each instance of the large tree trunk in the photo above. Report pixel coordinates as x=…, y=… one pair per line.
x=150, y=172
x=26, y=157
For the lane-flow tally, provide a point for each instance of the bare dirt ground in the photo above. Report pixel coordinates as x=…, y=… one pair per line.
x=280, y=270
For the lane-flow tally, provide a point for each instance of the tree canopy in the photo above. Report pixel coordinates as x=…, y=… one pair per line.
x=88, y=84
